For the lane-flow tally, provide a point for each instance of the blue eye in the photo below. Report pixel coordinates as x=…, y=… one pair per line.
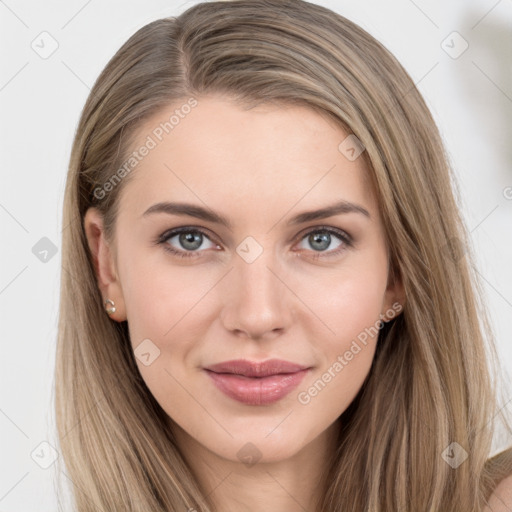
x=191, y=239
x=321, y=239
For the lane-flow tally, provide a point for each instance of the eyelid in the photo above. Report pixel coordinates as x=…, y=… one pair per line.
x=170, y=233
x=341, y=233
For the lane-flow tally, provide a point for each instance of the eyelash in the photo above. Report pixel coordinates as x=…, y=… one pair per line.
x=342, y=235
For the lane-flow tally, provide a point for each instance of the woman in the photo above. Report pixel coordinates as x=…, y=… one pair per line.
x=268, y=300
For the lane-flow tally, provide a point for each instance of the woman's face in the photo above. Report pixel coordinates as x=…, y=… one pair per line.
x=273, y=280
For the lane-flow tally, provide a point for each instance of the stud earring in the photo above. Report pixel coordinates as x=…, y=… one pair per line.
x=112, y=309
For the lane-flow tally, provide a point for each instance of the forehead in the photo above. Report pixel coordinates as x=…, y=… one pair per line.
x=230, y=156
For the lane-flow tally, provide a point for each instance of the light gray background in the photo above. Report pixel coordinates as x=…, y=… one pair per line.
x=41, y=99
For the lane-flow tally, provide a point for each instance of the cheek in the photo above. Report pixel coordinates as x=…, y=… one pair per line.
x=349, y=305
x=162, y=305
x=346, y=352
x=161, y=298
x=349, y=302
x=355, y=308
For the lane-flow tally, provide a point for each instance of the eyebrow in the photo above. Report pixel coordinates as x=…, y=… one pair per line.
x=206, y=214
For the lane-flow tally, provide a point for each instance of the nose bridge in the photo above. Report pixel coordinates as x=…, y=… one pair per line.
x=256, y=301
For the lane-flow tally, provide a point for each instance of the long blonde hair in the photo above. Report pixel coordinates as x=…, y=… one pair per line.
x=431, y=382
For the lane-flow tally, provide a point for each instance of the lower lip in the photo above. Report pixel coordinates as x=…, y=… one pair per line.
x=257, y=390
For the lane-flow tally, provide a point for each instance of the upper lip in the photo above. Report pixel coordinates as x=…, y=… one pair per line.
x=256, y=369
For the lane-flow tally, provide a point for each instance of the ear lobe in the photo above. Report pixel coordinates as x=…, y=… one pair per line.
x=103, y=260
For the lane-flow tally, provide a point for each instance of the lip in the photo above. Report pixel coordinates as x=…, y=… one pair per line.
x=256, y=383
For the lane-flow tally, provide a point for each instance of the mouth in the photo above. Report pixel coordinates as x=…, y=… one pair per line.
x=256, y=383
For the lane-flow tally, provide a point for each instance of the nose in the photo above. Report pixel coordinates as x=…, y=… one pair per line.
x=257, y=302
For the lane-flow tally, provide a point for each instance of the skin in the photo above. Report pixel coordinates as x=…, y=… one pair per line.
x=501, y=499
x=259, y=168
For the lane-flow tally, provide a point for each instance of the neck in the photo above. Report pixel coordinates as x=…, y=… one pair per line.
x=294, y=484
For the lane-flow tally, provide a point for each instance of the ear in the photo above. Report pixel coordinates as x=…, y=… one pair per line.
x=104, y=263
x=394, y=298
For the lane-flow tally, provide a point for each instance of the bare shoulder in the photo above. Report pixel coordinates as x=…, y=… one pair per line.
x=501, y=498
